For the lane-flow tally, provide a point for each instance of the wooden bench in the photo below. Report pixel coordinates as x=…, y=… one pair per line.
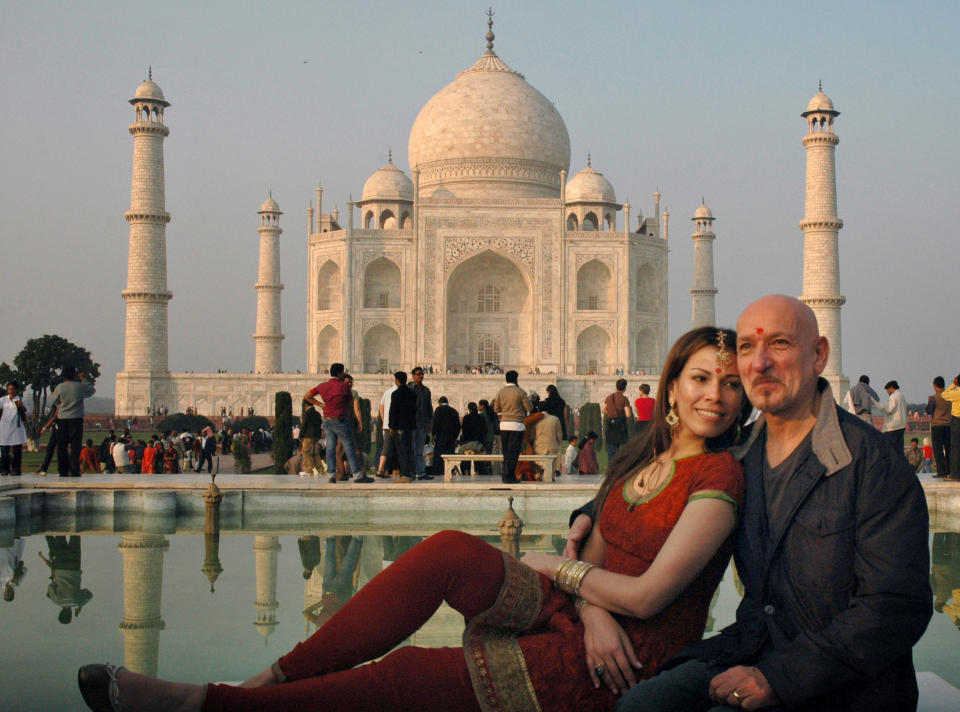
x=450, y=461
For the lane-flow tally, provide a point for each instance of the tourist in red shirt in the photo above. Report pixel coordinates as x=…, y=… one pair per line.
x=643, y=407
x=337, y=402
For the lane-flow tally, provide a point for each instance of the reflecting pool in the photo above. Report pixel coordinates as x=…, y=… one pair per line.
x=190, y=607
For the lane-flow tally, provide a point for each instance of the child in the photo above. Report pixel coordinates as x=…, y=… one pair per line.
x=927, y=456
x=569, y=456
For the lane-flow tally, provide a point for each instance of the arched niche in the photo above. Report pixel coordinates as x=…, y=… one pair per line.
x=328, y=348
x=488, y=296
x=572, y=222
x=590, y=222
x=647, y=351
x=595, y=287
x=405, y=222
x=594, y=351
x=648, y=288
x=368, y=220
x=381, y=350
x=328, y=286
x=381, y=285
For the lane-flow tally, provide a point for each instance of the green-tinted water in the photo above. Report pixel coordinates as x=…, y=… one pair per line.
x=145, y=601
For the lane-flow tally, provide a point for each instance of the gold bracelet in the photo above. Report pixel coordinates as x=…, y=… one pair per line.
x=570, y=575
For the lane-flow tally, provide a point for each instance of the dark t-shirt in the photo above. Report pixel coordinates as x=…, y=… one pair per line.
x=775, y=479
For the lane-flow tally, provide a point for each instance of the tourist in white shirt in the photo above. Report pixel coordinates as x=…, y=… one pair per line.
x=894, y=415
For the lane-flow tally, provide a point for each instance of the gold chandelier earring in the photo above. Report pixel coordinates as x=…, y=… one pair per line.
x=673, y=420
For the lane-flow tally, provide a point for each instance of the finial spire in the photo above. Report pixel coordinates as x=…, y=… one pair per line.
x=150, y=72
x=820, y=86
x=271, y=192
x=390, y=155
x=703, y=200
x=588, y=160
x=490, y=35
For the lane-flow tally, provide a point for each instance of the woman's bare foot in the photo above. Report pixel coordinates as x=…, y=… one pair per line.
x=262, y=679
x=139, y=693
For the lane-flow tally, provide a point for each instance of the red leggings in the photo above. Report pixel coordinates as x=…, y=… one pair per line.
x=450, y=566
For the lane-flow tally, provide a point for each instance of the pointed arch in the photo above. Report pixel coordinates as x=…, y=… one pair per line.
x=594, y=351
x=328, y=286
x=381, y=285
x=381, y=350
x=388, y=221
x=328, y=347
x=595, y=287
x=590, y=222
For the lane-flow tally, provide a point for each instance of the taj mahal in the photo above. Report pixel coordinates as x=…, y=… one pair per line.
x=488, y=254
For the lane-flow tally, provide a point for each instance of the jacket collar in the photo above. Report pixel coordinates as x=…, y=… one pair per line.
x=828, y=444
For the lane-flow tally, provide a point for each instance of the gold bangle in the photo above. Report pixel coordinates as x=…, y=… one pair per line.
x=570, y=575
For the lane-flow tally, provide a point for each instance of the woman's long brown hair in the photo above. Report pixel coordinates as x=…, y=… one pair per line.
x=638, y=452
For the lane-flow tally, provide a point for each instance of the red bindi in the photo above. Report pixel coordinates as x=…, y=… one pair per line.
x=719, y=370
x=759, y=329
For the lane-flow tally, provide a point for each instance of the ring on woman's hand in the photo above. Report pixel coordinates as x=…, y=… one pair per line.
x=736, y=694
x=600, y=670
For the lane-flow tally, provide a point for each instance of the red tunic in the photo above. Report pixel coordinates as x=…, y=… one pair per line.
x=552, y=651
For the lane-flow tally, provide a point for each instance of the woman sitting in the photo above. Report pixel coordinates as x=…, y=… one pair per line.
x=543, y=633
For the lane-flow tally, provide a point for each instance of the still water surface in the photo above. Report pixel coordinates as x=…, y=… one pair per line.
x=146, y=601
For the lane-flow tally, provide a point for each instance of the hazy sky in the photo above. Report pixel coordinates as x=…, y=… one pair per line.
x=702, y=99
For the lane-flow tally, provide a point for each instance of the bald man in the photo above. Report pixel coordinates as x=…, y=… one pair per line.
x=831, y=547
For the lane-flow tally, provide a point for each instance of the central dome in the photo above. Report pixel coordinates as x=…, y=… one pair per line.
x=490, y=134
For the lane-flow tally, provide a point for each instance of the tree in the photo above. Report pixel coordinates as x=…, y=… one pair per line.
x=39, y=365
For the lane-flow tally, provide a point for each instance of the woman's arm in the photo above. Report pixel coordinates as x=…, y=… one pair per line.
x=701, y=530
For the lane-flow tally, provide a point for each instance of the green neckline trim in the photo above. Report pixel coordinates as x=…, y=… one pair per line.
x=646, y=498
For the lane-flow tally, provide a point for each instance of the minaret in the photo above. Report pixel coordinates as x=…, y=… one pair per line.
x=268, y=286
x=704, y=287
x=142, y=585
x=146, y=295
x=266, y=550
x=820, y=225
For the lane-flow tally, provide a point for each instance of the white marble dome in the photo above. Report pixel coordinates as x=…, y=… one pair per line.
x=589, y=186
x=148, y=89
x=270, y=206
x=490, y=133
x=703, y=213
x=388, y=183
x=820, y=102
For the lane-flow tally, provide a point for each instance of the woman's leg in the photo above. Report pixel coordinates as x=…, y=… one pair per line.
x=450, y=566
x=410, y=678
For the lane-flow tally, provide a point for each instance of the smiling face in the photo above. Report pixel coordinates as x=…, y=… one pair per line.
x=780, y=355
x=707, y=402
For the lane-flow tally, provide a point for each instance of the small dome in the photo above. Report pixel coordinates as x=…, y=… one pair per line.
x=388, y=183
x=589, y=186
x=820, y=103
x=149, y=90
x=703, y=212
x=270, y=206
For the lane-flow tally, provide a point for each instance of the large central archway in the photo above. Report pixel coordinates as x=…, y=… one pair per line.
x=489, y=310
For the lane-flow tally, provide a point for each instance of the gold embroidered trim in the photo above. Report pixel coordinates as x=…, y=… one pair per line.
x=497, y=668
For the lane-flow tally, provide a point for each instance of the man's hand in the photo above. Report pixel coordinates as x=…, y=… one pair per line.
x=744, y=687
x=606, y=644
x=577, y=536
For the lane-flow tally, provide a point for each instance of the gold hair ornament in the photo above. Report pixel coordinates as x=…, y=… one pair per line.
x=723, y=355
